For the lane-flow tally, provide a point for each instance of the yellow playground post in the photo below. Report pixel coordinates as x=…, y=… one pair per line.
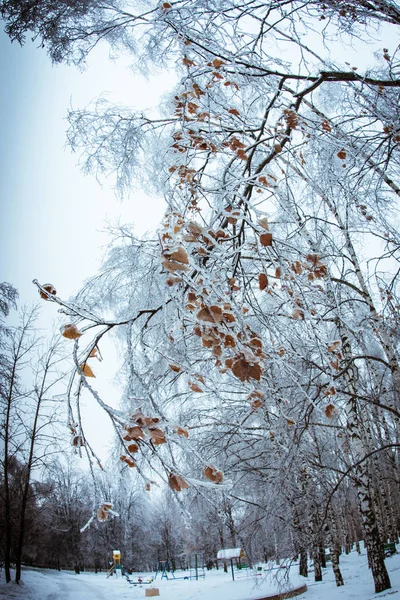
x=116, y=563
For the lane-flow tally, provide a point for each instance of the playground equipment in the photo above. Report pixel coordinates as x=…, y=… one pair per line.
x=196, y=566
x=231, y=554
x=195, y=563
x=116, y=566
x=164, y=568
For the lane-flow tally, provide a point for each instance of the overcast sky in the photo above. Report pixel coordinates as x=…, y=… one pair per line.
x=51, y=215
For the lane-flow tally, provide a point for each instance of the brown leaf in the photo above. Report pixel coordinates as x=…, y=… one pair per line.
x=78, y=441
x=256, y=394
x=187, y=62
x=138, y=417
x=244, y=371
x=194, y=387
x=135, y=433
x=157, y=436
x=206, y=343
x=266, y=239
x=71, y=332
x=182, y=431
x=255, y=343
x=334, y=346
x=217, y=351
x=298, y=314
x=325, y=125
x=243, y=156
x=180, y=255
x=313, y=259
x=229, y=341
x=330, y=411
x=102, y=514
x=229, y=363
x=342, y=154
x=133, y=448
x=262, y=281
x=87, y=371
x=175, y=368
x=151, y=421
x=228, y=317
x=171, y=266
x=297, y=267
x=170, y=281
x=50, y=289
x=205, y=315
x=177, y=482
x=257, y=403
x=217, y=63
x=213, y=474
x=216, y=312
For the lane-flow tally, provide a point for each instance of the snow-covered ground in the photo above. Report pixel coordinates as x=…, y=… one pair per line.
x=217, y=585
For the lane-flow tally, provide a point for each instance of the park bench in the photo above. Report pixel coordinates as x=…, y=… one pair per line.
x=389, y=549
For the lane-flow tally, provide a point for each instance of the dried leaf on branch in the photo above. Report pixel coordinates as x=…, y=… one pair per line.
x=262, y=281
x=71, y=332
x=50, y=289
x=246, y=371
x=177, y=482
x=266, y=239
x=182, y=431
x=86, y=369
x=213, y=474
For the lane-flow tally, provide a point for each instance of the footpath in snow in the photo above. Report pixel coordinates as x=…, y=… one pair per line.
x=40, y=584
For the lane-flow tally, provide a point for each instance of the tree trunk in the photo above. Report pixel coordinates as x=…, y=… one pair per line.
x=372, y=539
x=322, y=558
x=332, y=537
x=7, y=501
x=317, y=567
x=303, y=567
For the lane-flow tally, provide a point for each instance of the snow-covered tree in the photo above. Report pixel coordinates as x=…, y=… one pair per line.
x=259, y=325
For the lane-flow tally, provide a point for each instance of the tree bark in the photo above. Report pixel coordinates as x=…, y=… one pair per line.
x=372, y=539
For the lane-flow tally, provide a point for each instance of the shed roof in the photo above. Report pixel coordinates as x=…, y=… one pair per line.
x=227, y=553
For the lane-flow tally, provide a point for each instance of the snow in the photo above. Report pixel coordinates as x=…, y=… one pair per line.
x=228, y=553
x=41, y=584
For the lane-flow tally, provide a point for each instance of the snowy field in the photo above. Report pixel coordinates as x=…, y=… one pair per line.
x=217, y=585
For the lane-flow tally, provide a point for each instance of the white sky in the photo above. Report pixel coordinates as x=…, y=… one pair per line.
x=51, y=215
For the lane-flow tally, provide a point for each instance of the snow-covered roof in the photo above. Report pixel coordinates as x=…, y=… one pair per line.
x=228, y=553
